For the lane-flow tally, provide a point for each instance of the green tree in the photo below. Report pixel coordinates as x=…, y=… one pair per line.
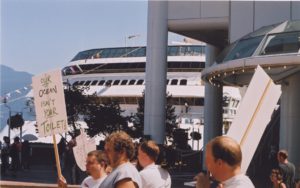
x=76, y=106
x=100, y=118
x=137, y=130
x=105, y=119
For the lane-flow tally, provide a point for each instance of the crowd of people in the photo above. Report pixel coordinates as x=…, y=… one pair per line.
x=114, y=167
x=122, y=163
x=19, y=154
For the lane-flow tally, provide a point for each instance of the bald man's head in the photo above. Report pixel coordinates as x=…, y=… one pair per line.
x=226, y=149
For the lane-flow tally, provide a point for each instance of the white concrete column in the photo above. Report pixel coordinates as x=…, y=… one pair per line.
x=156, y=70
x=213, y=110
x=290, y=118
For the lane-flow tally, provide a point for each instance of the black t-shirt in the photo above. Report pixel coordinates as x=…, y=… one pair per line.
x=288, y=174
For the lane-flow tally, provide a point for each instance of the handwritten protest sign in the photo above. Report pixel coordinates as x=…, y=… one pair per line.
x=51, y=115
x=254, y=114
x=82, y=148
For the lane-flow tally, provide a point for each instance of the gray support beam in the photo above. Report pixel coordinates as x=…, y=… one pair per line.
x=213, y=119
x=290, y=118
x=156, y=70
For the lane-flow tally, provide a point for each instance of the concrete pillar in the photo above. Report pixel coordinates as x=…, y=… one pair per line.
x=290, y=118
x=156, y=70
x=213, y=110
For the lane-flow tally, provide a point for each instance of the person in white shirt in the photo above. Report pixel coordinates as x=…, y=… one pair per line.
x=223, y=159
x=96, y=164
x=153, y=176
x=119, y=149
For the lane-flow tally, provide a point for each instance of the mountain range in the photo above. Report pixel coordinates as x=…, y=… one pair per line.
x=14, y=86
x=12, y=79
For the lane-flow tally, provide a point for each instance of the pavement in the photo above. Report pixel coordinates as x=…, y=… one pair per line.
x=45, y=176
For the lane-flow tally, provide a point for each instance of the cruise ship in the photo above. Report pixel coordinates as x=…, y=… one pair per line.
x=118, y=74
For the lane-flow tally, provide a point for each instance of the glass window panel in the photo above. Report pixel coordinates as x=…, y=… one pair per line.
x=124, y=82
x=105, y=100
x=105, y=53
x=244, y=48
x=108, y=82
x=187, y=101
x=197, y=50
x=175, y=101
x=132, y=65
x=120, y=100
x=130, y=100
x=140, y=65
x=188, y=51
x=174, y=82
x=183, y=82
x=195, y=64
x=185, y=64
x=101, y=82
x=76, y=83
x=141, y=52
x=116, y=82
x=199, y=101
x=174, y=64
x=173, y=51
x=131, y=82
x=94, y=82
x=181, y=50
x=140, y=82
x=87, y=83
x=282, y=43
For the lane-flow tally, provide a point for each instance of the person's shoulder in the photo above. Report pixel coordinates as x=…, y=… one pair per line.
x=86, y=181
x=126, y=167
x=246, y=182
x=239, y=181
x=291, y=164
x=154, y=170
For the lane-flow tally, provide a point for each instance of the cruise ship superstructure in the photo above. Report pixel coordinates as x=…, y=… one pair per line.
x=119, y=74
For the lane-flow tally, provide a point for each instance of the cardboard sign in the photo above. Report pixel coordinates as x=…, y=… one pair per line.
x=254, y=114
x=82, y=148
x=49, y=101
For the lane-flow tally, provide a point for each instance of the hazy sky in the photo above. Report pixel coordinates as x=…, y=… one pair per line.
x=40, y=35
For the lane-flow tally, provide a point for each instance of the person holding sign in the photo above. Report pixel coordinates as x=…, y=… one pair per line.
x=120, y=149
x=96, y=164
x=223, y=159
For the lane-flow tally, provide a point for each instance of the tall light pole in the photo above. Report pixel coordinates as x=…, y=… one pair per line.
x=9, y=117
x=128, y=38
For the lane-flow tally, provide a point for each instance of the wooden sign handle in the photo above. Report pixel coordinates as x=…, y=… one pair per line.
x=57, y=157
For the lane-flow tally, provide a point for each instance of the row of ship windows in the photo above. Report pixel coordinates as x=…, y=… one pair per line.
x=131, y=67
x=191, y=101
x=140, y=65
x=137, y=52
x=125, y=82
